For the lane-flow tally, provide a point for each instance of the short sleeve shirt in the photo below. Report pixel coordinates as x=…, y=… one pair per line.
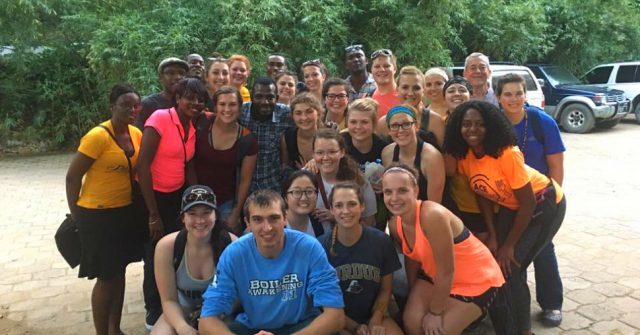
x=107, y=183
x=367, y=88
x=535, y=152
x=168, y=166
x=386, y=101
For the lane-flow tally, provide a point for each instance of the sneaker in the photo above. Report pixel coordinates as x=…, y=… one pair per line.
x=150, y=319
x=551, y=317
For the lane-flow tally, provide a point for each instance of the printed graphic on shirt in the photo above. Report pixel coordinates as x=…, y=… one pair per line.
x=358, y=271
x=288, y=285
x=354, y=287
x=496, y=191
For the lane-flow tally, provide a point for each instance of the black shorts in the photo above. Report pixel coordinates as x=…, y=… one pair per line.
x=483, y=301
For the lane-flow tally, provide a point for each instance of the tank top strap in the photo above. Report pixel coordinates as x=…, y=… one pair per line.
x=417, y=159
x=405, y=244
x=396, y=154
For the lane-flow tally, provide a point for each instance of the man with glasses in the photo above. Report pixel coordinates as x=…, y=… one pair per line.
x=383, y=68
x=275, y=63
x=281, y=277
x=170, y=71
x=360, y=81
x=268, y=120
x=477, y=71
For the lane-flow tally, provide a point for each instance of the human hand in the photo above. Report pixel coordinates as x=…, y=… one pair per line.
x=311, y=166
x=323, y=214
x=505, y=257
x=492, y=244
x=186, y=330
x=262, y=332
x=432, y=324
x=362, y=329
x=233, y=221
x=156, y=231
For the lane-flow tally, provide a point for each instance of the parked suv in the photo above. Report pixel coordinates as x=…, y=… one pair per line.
x=535, y=96
x=621, y=76
x=578, y=108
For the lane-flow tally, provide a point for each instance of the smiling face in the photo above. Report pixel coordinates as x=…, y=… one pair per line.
x=433, y=85
x=304, y=116
x=400, y=135
x=383, y=70
x=410, y=89
x=313, y=78
x=199, y=220
x=400, y=192
x=337, y=99
x=455, y=95
x=512, y=98
x=327, y=154
x=218, y=76
x=239, y=73
x=360, y=125
x=346, y=207
x=227, y=108
x=126, y=108
x=477, y=72
x=473, y=130
x=191, y=105
x=267, y=225
x=196, y=65
x=305, y=204
x=286, y=88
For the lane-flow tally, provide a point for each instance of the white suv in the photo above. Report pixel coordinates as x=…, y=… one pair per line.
x=621, y=76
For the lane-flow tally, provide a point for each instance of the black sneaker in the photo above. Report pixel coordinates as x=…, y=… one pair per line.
x=151, y=318
x=551, y=317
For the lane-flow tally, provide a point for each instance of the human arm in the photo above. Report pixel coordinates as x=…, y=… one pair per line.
x=381, y=304
x=387, y=154
x=436, y=126
x=486, y=209
x=220, y=296
x=166, y=282
x=411, y=269
x=450, y=165
x=382, y=129
x=80, y=164
x=527, y=202
x=432, y=166
x=148, y=149
x=247, y=168
x=556, y=167
x=213, y=325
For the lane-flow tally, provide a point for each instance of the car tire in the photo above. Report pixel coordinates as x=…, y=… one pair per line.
x=636, y=112
x=608, y=124
x=577, y=118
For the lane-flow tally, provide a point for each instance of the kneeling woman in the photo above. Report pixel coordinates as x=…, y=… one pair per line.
x=186, y=261
x=532, y=206
x=442, y=299
x=365, y=273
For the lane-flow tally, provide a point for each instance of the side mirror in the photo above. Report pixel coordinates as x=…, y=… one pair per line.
x=541, y=82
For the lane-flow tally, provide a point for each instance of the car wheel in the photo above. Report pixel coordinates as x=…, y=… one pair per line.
x=636, y=111
x=608, y=124
x=577, y=118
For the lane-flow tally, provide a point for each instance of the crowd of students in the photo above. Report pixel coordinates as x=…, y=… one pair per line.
x=375, y=204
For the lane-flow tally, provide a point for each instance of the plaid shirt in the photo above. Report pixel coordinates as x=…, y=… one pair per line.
x=365, y=91
x=268, y=133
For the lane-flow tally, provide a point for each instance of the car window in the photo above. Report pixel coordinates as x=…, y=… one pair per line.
x=531, y=84
x=599, y=75
x=626, y=74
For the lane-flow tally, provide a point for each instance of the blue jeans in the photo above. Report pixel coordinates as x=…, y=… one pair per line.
x=548, y=282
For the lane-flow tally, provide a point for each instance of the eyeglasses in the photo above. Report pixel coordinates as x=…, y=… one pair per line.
x=381, y=52
x=199, y=194
x=353, y=48
x=404, y=125
x=297, y=193
x=340, y=96
x=312, y=62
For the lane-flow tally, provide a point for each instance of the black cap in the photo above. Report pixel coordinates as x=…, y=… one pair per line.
x=198, y=195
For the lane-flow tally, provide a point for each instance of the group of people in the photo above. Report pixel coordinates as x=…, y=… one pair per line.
x=389, y=202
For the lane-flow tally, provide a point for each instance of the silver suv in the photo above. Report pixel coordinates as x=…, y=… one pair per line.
x=621, y=76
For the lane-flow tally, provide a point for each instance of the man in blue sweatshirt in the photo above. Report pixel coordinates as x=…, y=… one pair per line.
x=280, y=276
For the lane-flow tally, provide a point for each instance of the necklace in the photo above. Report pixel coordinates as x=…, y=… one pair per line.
x=524, y=139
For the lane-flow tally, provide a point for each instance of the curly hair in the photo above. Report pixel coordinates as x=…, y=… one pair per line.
x=348, y=169
x=499, y=133
x=189, y=87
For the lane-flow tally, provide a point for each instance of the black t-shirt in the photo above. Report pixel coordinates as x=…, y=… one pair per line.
x=360, y=269
x=151, y=104
x=362, y=158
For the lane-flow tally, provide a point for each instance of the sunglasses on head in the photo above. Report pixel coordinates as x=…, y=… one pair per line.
x=217, y=59
x=200, y=194
x=312, y=62
x=381, y=52
x=353, y=48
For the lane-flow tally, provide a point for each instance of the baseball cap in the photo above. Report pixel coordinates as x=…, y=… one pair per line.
x=170, y=61
x=198, y=195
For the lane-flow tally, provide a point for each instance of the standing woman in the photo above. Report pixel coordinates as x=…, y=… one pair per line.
x=168, y=145
x=286, y=82
x=336, y=101
x=409, y=149
x=443, y=298
x=334, y=165
x=240, y=69
x=532, y=206
x=226, y=156
x=434, y=80
x=102, y=207
x=538, y=137
x=300, y=192
x=296, y=144
x=186, y=262
x=365, y=273
x=217, y=74
x=314, y=74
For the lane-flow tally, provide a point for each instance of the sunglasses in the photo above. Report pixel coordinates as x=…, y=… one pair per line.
x=217, y=59
x=312, y=62
x=381, y=52
x=199, y=194
x=353, y=48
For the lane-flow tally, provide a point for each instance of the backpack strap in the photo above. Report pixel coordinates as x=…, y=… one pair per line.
x=425, y=119
x=178, y=248
x=536, y=124
x=318, y=230
x=323, y=193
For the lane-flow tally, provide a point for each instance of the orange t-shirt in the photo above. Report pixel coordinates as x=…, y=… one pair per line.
x=496, y=178
x=386, y=101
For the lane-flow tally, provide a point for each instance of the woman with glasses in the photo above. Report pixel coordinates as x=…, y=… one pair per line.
x=434, y=80
x=286, y=82
x=314, y=74
x=383, y=69
x=301, y=194
x=226, y=156
x=240, y=70
x=409, y=149
x=296, y=144
x=186, y=261
x=168, y=146
x=99, y=193
x=334, y=165
x=336, y=100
